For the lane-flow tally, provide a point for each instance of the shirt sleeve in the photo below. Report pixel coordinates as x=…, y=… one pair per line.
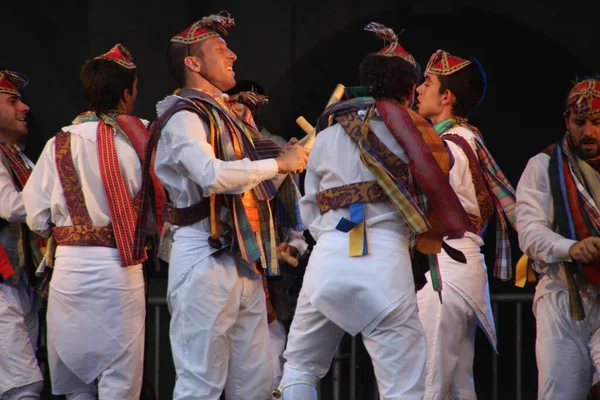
x=535, y=211
x=309, y=208
x=37, y=193
x=189, y=147
x=12, y=208
x=296, y=239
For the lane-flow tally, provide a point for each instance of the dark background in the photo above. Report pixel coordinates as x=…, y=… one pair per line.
x=298, y=50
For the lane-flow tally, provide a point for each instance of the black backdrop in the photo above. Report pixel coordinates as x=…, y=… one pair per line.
x=298, y=50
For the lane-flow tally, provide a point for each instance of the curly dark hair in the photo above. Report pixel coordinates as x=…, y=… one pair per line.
x=468, y=86
x=104, y=83
x=388, y=77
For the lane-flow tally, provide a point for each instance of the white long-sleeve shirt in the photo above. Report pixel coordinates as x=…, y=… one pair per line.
x=535, y=223
x=187, y=165
x=43, y=194
x=335, y=161
x=461, y=179
x=12, y=209
x=188, y=168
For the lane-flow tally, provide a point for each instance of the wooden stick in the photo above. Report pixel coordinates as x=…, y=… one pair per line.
x=337, y=94
x=308, y=141
x=305, y=125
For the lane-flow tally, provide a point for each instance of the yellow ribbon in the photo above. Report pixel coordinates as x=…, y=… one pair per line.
x=358, y=237
x=524, y=272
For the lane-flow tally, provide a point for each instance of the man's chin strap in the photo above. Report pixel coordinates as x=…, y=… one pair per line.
x=296, y=390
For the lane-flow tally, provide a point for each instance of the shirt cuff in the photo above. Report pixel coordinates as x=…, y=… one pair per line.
x=561, y=249
x=267, y=169
x=299, y=244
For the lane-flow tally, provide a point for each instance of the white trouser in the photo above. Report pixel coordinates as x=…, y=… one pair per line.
x=567, y=351
x=450, y=332
x=27, y=392
x=396, y=347
x=96, y=324
x=277, y=338
x=18, y=338
x=122, y=380
x=219, y=333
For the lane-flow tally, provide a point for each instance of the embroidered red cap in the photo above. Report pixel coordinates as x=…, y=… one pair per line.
x=11, y=82
x=393, y=49
x=120, y=55
x=444, y=63
x=206, y=28
x=584, y=97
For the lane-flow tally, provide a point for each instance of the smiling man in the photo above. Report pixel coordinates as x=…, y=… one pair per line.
x=20, y=376
x=223, y=227
x=558, y=218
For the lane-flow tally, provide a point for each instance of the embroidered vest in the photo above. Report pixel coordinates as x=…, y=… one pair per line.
x=484, y=199
x=82, y=232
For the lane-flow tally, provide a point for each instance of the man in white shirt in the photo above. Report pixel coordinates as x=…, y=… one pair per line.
x=84, y=193
x=359, y=277
x=453, y=87
x=20, y=377
x=558, y=220
x=223, y=236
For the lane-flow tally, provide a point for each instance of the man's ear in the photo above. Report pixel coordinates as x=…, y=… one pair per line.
x=566, y=118
x=126, y=95
x=448, y=98
x=192, y=63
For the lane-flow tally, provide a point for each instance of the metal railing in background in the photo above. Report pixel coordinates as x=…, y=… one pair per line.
x=158, y=306
x=519, y=299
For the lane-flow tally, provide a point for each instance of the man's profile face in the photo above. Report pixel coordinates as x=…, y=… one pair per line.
x=12, y=115
x=216, y=63
x=429, y=99
x=584, y=131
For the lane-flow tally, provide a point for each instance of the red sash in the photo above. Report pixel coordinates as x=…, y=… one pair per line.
x=121, y=206
x=138, y=134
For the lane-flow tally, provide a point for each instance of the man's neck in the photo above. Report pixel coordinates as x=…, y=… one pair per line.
x=8, y=139
x=203, y=85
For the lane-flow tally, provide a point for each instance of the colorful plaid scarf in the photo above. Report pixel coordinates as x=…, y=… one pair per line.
x=574, y=186
x=109, y=119
x=286, y=200
x=225, y=130
x=503, y=195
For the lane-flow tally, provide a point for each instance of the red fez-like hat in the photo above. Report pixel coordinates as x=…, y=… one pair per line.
x=11, y=82
x=444, y=63
x=206, y=28
x=120, y=55
x=393, y=49
x=584, y=97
